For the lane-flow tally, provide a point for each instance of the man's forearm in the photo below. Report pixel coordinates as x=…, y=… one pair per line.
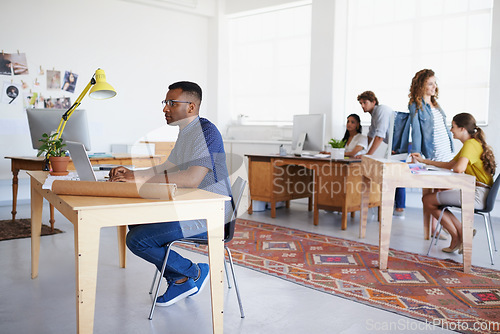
x=376, y=143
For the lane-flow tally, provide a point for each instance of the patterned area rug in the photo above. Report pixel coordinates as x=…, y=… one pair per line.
x=416, y=286
x=21, y=228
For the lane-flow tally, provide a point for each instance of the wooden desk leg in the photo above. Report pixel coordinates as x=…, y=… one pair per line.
x=86, y=259
x=52, y=220
x=467, y=227
x=427, y=216
x=310, y=203
x=315, y=207
x=122, y=249
x=250, y=207
x=15, y=184
x=215, y=259
x=36, y=229
x=385, y=226
x=273, y=209
x=343, y=225
x=363, y=214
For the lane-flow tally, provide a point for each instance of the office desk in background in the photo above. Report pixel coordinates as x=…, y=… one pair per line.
x=89, y=214
x=37, y=163
x=389, y=175
x=334, y=185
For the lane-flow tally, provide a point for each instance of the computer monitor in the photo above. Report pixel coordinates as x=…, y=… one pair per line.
x=308, y=133
x=47, y=120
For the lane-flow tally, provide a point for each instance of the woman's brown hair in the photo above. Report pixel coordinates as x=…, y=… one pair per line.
x=468, y=122
x=417, y=88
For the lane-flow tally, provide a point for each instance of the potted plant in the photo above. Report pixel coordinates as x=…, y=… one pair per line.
x=53, y=148
x=337, y=148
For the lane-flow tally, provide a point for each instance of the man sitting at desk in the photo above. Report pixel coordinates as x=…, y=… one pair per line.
x=197, y=161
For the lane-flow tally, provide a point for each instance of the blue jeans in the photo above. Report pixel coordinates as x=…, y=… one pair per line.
x=400, y=199
x=148, y=242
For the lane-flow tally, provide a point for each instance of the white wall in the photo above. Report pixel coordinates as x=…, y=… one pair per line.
x=494, y=111
x=157, y=46
x=142, y=49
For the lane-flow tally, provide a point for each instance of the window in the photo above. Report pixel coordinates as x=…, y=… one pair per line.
x=269, y=56
x=390, y=40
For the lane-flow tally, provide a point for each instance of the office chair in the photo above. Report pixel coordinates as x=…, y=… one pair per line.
x=490, y=203
x=237, y=192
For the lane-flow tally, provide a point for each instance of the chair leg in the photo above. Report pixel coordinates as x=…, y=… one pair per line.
x=487, y=226
x=227, y=274
x=235, y=283
x=492, y=232
x=437, y=231
x=164, y=265
x=154, y=281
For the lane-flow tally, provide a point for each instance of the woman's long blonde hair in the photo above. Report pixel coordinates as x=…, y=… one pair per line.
x=417, y=88
x=468, y=122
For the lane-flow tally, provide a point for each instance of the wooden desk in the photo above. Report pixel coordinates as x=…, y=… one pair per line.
x=89, y=214
x=37, y=163
x=334, y=184
x=393, y=174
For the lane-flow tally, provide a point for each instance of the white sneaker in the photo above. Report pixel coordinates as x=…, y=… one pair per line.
x=399, y=214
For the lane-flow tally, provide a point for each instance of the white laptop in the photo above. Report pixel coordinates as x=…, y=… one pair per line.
x=82, y=163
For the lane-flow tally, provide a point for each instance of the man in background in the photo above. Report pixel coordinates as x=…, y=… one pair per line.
x=378, y=133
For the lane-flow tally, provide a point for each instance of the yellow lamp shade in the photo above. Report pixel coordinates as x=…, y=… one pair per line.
x=101, y=90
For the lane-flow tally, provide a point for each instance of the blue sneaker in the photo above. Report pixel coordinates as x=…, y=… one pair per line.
x=203, y=278
x=176, y=292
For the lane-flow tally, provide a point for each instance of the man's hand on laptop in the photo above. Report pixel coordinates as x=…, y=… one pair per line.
x=121, y=174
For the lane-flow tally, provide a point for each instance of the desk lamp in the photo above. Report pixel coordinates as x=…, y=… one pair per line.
x=101, y=90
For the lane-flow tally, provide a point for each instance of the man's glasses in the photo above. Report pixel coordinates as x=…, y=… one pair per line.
x=172, y=103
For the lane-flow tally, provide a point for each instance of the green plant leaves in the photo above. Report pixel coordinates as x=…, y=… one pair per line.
x=51, y=146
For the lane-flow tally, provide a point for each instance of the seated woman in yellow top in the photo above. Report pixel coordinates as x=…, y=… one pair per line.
x=475, y=158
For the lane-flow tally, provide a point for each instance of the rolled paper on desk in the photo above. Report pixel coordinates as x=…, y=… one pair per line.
x=162, y=191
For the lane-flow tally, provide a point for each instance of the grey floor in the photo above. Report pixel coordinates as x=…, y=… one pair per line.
x=272, y=305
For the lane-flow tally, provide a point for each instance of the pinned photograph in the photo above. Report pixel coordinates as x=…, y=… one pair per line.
x=10, y=93
x=13, y=63
x=53, y=79
x=70, y=79
x=57, y=103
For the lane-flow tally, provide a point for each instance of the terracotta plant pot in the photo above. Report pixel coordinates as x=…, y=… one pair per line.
x=59, y=165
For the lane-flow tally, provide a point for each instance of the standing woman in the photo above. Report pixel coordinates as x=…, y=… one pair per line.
x=475, y=158
x=429, y=133
x=356, y=143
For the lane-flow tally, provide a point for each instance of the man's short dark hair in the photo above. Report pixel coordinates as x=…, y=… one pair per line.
x=368, y=95
x=188, y=87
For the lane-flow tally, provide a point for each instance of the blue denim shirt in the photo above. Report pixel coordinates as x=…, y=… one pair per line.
x=422, y=130
x=401, y=134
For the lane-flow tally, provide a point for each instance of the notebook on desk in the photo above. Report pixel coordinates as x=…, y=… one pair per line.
x=82, y=163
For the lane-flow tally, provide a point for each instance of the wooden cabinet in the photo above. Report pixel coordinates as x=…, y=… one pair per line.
x=334, y=185
x=162, y=148
x=272, y=183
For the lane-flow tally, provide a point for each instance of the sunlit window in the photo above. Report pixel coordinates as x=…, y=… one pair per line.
x=269, y=64
x=390, y=40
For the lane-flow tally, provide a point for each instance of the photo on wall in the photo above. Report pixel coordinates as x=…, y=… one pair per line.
x=70, y=79
x=53, y=79
x=10, y=93
x=13, y=63
x=5, y=62
x=57, y=103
